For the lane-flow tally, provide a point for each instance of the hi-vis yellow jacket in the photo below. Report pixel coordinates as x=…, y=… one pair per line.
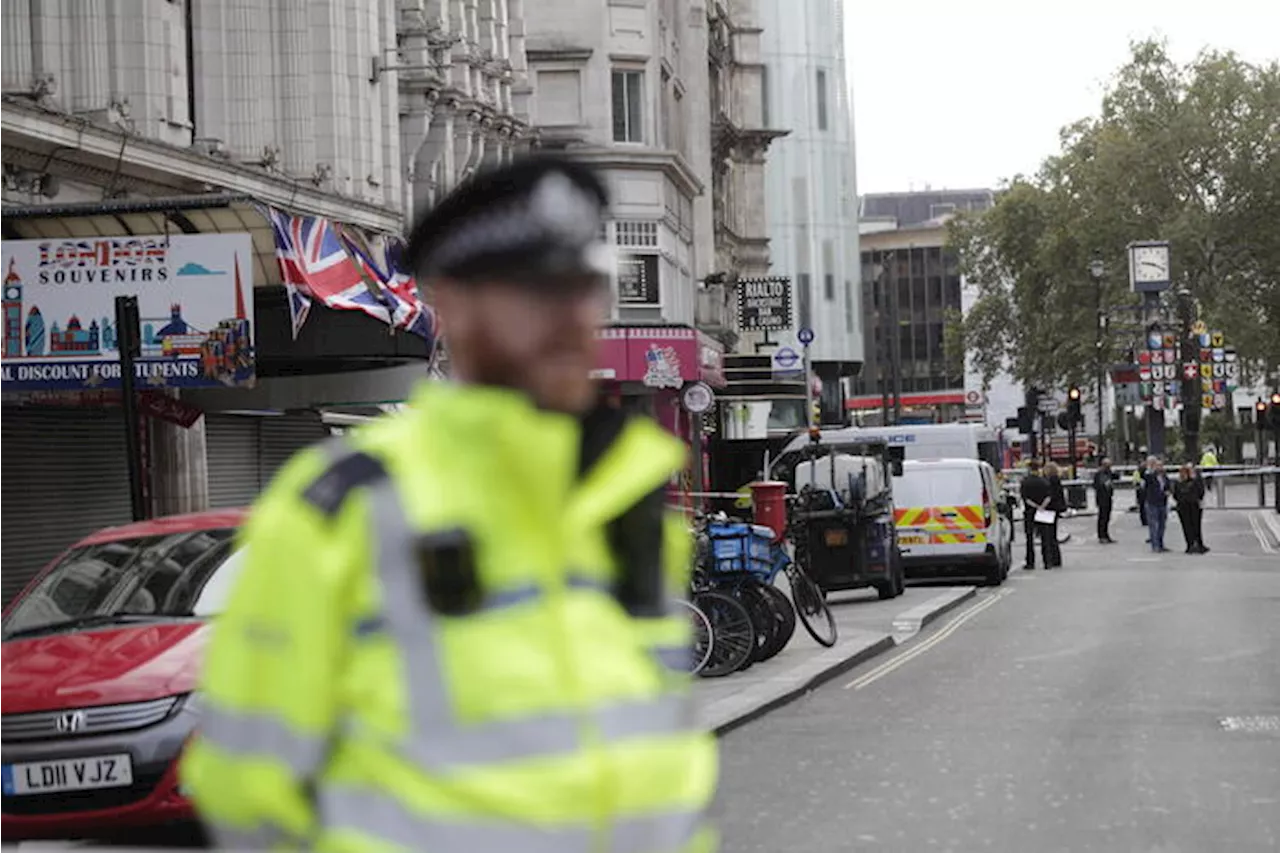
x=361, y=693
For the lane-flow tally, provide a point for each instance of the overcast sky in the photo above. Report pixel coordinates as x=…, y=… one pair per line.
x=961, y=94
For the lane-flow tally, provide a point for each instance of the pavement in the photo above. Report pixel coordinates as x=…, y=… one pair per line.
x=866, y=627
x=1127, y=702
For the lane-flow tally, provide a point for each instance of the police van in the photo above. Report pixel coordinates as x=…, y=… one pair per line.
x=923, y=441
x=950, y=520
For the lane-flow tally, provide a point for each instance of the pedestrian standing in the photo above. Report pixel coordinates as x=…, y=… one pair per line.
x=1188, y=492
x=450, y=632
x=1057, y=505
x=1104, y=486
x=1035, y=496
x=1155, y=496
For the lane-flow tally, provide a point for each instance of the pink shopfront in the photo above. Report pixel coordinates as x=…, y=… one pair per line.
x=647, y=367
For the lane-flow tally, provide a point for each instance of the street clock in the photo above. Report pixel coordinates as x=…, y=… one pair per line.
x=1150, y=268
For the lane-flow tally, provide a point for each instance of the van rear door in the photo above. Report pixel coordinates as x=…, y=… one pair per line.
x=938, y=509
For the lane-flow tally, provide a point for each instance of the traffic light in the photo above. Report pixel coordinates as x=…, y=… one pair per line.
x=815, y=412
x=1026, y=420
x=1074, y=415
x=1275, y=410
x=1032, y=400
x=1260, y=414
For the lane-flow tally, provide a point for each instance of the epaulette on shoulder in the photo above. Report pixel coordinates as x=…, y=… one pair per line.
x=348, y=469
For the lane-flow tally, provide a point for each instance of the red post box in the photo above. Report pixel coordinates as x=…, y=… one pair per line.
x=769, y=498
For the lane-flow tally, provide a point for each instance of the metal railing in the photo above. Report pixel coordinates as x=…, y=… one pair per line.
x=1227, y=486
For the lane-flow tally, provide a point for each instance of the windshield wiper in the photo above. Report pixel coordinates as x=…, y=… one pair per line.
x=90, y=621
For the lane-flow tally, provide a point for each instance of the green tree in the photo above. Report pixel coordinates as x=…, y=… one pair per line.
x=1190, y=154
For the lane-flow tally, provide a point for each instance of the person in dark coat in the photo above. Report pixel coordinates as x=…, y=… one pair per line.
x=1104, y=486
x=1057, y=503
x=1188, y=492
x=1035, y=495
x=1155, y=494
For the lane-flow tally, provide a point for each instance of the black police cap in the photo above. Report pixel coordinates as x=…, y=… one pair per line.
x=534, y=219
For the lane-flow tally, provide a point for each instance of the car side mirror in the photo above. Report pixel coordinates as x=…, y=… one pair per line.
x=896, y=457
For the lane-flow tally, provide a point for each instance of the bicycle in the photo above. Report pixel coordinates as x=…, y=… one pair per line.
x=733, y=634
x=703, y=636
x=745, y=567
x=809, y=598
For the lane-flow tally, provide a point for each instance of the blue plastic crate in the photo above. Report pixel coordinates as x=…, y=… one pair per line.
x=741, y=547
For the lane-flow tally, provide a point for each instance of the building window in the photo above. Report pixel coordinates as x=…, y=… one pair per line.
x=559, y=98
x=938, y=210
x=806, y=308
x=764, y=96
x=628, y=107
x=636, y=234
x=828, y=264
x=822, y=99
x=638, y=279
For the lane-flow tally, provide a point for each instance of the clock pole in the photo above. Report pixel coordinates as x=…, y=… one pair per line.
x=1150, y=274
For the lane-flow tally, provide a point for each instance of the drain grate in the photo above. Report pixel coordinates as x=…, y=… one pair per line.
x=1250, y=725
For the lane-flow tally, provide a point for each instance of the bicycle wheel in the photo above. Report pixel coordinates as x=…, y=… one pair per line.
x=784, y=615
x=703, y=638
x=733, y=635
x=811, y=607
x=762, y=617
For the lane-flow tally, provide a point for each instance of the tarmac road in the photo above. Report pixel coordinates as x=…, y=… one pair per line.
x=1128, y=702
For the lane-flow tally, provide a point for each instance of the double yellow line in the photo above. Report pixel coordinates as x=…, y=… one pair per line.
x=889, y=666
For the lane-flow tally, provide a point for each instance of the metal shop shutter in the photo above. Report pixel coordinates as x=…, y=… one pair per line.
x=232, y=451
x=63, y=475
x=245, y=452
x=282, y=437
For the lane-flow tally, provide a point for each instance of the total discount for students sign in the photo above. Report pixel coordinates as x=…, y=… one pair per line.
x=195, y=297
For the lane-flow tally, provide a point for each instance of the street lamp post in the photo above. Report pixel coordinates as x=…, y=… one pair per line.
x=1097, y=271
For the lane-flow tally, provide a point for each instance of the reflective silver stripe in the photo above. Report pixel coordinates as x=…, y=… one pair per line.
x=261, y=735
x=679, y=658
x=264, y=837
x=670, y=832
x=386, y=818
x=666, y=715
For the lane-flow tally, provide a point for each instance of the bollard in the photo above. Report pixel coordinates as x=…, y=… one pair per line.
x=770, y=499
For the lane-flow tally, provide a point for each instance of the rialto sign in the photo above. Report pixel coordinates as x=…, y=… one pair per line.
x=764, y=304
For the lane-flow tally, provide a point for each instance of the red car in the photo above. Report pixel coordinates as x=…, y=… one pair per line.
x=101, y=654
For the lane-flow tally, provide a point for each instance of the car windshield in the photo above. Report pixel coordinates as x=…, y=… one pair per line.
x=178, y=575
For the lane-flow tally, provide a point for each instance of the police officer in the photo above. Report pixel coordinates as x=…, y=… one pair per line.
x=450, y=630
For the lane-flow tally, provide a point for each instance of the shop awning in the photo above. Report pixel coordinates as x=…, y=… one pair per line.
x=214, y=213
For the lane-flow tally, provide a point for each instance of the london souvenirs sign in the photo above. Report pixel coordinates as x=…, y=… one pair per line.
x=195, y=298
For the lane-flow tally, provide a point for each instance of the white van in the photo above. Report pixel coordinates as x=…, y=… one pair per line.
x=921, y=441
x=948, y=517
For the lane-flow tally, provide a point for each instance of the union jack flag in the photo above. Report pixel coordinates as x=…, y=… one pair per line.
x=381, y=259
x=315, y=264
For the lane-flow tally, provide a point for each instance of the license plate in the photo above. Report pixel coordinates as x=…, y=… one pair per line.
x=836, y=537
x=913, y=539
x=70, y=774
